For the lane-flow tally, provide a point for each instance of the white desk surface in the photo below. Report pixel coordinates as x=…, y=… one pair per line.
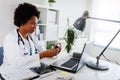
x=85, y=73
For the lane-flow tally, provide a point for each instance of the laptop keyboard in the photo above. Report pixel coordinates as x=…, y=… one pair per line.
x=70, y=63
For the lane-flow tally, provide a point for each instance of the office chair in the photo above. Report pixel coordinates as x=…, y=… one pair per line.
x=1, y=55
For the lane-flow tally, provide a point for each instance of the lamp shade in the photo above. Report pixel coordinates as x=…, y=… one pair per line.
x=80, y=22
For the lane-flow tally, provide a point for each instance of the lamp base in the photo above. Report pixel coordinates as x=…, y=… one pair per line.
x=93, y=65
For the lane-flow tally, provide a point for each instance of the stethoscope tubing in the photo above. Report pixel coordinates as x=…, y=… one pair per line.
x=20, y=39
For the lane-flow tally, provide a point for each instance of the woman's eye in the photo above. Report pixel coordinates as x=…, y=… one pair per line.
x=33, y=23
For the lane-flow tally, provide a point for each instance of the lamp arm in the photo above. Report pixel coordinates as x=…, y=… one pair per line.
x=103, y=19
x=98, y=57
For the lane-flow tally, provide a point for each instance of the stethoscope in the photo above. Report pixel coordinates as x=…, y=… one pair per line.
x=20, y=39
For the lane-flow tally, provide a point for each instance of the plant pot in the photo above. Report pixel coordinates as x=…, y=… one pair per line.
x=51, y=4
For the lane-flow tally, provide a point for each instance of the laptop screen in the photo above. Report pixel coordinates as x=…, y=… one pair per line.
x=81, y=60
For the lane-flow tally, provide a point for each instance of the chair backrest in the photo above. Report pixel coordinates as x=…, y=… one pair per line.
x=1, y=55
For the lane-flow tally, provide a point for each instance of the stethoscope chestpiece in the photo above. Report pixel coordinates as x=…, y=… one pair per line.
x=25, y=53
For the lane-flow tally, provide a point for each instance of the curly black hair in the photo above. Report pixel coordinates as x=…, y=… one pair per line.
x=24, y=12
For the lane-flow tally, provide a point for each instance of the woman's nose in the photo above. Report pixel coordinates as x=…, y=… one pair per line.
x=34, y=26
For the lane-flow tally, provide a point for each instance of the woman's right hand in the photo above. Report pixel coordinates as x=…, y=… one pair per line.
x=57, y=46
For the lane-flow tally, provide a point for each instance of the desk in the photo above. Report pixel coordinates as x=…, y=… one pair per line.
x=85, y=73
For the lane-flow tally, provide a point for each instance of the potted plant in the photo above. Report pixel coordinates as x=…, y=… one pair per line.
x=51, y=2
x=70, y=36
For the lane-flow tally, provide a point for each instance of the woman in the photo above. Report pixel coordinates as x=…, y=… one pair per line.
x=20, y=50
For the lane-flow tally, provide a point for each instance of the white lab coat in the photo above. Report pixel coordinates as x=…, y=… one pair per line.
x=14, y=57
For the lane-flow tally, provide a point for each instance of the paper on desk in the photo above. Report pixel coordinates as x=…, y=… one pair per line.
x=19, y=74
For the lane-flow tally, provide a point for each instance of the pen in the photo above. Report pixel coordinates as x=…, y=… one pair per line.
x=31, y=78
x=34, y=77
x=1, y=77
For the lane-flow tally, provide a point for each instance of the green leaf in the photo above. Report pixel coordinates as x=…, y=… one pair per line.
x=70, y=36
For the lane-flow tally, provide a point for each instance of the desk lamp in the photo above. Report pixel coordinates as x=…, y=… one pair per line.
x=80, y=25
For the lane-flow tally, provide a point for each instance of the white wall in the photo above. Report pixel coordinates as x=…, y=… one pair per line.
x=69, y=8
x=6, y=14
x=98, y=8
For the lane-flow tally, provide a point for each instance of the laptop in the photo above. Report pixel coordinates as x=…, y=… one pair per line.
x=70, y=64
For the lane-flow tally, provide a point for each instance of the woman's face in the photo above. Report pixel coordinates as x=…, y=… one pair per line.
x=31, y=24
